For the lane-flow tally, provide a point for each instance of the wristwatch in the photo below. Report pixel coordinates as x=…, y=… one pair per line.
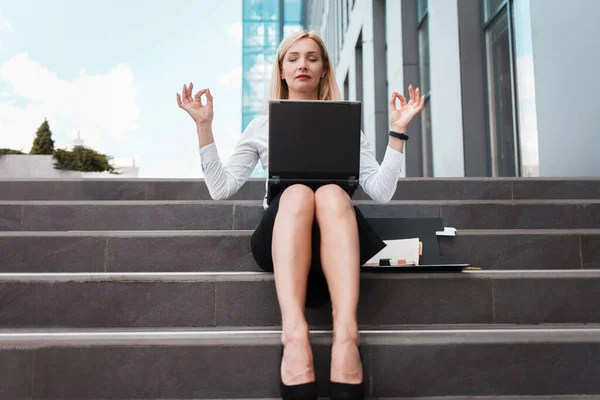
x=398, y=135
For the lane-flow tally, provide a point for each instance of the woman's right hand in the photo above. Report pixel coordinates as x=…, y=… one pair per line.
x=202, y=114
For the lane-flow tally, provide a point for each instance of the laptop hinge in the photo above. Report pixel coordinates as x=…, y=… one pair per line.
x=276, y=180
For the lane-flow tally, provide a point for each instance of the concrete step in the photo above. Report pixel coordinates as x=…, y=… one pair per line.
x=227, y=215
x=248, y=299
x=193, y=364
x=195, y=189
x=229, y=251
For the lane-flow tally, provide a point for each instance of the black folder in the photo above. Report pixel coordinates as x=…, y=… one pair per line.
x=423, y=228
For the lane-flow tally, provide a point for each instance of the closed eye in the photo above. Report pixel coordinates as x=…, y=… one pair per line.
x=295, y=59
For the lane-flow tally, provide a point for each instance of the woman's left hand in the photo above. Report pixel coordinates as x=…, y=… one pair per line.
x=401, y=117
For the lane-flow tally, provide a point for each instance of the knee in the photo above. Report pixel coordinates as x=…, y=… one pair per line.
x=298, y=200
x=331, y=200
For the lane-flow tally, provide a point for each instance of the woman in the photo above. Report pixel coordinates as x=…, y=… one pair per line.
x=308, y=236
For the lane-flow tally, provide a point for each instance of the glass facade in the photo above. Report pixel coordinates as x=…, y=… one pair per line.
x=511, y=89
x=526, y=104
x=263, y=30
x=502, y=130
x=500, y=96
x=265, y=23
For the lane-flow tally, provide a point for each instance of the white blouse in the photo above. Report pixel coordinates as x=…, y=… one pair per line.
x=224, y=179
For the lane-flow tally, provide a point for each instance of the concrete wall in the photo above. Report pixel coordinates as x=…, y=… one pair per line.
x=472, y=71
x=395, y=64
x=32, y=166
x=42, y=166
x=446, y=93
x=409, y=55
x=566, y=59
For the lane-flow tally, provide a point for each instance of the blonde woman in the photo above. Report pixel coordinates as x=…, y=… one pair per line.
x=310, y=239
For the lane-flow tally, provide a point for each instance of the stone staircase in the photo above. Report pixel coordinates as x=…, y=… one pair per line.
x=146, y=289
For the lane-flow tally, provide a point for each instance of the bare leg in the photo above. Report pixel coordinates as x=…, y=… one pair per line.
x=291, y=251
x=340, y=257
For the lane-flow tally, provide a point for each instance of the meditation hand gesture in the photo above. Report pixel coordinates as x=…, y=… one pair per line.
x=400, y=117
x=201, y=113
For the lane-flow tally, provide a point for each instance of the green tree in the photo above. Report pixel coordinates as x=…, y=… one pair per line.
x=43, y=143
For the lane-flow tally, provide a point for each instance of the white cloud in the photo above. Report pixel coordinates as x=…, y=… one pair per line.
x=235, y=31
x=232, y=78
x=102, y=106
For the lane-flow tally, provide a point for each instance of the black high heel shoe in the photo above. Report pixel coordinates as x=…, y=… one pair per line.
x=304, y=391
x=348, y=391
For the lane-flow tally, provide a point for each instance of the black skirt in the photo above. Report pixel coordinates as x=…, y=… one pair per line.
x=317, y=292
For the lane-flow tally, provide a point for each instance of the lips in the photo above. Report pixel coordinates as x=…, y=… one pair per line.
x=303, y=77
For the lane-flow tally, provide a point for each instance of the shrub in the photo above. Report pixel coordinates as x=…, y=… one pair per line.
x=10, y=151
x=82, y=159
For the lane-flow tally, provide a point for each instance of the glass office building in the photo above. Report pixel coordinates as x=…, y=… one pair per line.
x=265, y=23
x=496, y=75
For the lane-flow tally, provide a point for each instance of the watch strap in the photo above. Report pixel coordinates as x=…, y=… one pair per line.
x=398, y=135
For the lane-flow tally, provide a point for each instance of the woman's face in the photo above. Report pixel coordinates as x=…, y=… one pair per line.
x=302, y=68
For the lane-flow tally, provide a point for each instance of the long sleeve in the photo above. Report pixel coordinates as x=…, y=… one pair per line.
x=379, y=181
x=225, y=179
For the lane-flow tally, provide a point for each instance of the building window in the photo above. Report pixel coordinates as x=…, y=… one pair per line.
x=500, y=95
x=347, y=15
x=510, y=88
x=490, y=7
x=346, y=88
x=425, y=85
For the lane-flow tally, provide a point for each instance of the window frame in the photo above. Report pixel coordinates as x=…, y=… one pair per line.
x=426, y=136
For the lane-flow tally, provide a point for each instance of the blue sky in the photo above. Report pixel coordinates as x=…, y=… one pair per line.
x=111, y=70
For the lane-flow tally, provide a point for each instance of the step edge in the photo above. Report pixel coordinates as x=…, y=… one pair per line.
x=134, y=233
x=262, y=180
x=267, y=276
x=273, y=337
x=168, y=233
x=258, y=202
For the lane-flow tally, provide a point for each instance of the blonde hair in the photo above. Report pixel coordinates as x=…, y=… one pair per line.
x=328, y=88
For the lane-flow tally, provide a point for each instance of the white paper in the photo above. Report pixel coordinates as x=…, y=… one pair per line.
x=401, y=249
x=447, y=232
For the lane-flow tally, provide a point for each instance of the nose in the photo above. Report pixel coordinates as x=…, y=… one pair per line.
x=302, y=64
